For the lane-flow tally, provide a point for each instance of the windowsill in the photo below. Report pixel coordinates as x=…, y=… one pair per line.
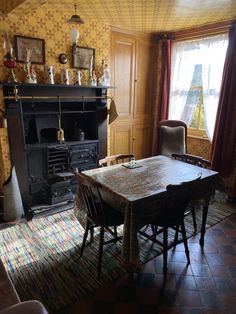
x=199, y=137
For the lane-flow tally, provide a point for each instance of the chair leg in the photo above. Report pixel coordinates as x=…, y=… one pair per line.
x=185, y=241
x=194, y=218
x=84, y=238
x=115, y=231
x=100, y=251
x=165, y=249
x=154, y=231
x=176, y=235
x=91, y=235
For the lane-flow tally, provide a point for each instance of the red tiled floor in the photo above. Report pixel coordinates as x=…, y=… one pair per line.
x=207, y=285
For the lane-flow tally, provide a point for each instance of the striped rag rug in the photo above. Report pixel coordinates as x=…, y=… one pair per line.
x=42, y=257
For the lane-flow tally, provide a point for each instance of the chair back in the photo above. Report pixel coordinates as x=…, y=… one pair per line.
x=88, y=191
x=115, y=159
x=192, y=159
x=177, y=199
x=172, y=137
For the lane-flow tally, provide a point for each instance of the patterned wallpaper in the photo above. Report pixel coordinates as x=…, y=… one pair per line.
x=51, y=25
x=148, y=16
x=4, y=157
x=199, y=147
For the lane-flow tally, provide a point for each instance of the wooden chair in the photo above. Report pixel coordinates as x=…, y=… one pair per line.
x=197, y=161
x=115, y=159
x=192, y=159
x=99, y=214
x=173, y=143
x=172, y=216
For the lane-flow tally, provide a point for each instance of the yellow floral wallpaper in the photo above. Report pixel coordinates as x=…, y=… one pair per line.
x=52, y=26
x=199, y=147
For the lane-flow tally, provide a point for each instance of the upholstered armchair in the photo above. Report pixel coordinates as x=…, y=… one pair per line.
x=172, y=137
x=9, y=300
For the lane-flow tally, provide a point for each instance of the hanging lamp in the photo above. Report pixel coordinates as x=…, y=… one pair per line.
x=75, y=18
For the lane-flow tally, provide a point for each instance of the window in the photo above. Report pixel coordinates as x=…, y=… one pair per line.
x=197, y=67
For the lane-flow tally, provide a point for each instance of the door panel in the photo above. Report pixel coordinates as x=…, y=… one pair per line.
x=145, y=79
x=142, y=141
x=121, y=139
x=123, y=61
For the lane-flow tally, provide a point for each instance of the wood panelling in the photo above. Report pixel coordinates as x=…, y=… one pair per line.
x=124, y=49
x=135, y=97
x=142, y=140
x=121, y=138
x=145, y=80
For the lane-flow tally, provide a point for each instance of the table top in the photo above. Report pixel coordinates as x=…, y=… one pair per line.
x=148, y=180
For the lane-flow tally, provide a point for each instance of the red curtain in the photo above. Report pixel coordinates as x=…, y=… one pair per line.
x=225, y=127
x=162, y=107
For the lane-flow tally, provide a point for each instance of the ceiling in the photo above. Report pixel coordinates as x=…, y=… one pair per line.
x=149, y=16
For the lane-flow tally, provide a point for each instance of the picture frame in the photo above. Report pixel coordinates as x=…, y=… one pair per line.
x=37, y=45
x=83, y=57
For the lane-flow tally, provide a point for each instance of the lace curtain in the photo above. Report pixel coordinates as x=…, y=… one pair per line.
x=206, y=56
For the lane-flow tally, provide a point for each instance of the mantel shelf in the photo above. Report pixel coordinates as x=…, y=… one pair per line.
x=60, y=92
x=57, y=86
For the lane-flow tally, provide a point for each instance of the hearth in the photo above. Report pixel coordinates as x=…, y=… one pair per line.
x=45, y=165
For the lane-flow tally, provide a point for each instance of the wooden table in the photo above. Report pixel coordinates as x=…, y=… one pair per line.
x=139, y=193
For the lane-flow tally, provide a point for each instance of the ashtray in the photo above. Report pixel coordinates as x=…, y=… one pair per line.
x=132, y=165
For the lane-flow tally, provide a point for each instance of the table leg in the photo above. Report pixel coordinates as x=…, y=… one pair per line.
x=203, y=229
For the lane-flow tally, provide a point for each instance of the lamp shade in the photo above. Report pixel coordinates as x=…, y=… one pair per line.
x=75, y=19
x=74, y=35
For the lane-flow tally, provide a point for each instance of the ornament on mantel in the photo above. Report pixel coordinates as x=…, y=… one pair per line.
x=93, y=79
x=78, y=77
x=49, y=74
x=31, y=76
x=105, y=78
x=9, y=58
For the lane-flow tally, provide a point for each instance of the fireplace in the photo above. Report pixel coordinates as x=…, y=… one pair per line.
x=45, y=166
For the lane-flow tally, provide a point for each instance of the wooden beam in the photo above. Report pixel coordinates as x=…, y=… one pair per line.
x=203, y=31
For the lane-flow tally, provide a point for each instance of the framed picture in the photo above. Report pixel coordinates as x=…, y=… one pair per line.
x=36, y=45
x=83, y=57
